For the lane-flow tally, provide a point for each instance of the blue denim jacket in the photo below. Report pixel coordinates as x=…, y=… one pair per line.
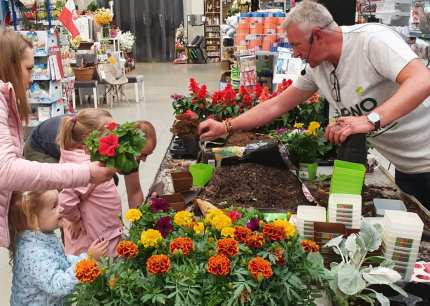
x=42, y=274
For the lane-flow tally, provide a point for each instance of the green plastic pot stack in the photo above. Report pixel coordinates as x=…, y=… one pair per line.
x=347, y=178
x=201, y=173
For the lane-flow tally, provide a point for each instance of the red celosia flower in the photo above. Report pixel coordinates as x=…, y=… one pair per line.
x=217, y=97
x=243, y=91
x=227, y=247
x=247, y=101
x=234, y=215
x=183, y=244
x=194, y=86
x=108, y=145
x=112, y=125
x=258, y=90
x=255, y=241
x=242, y=233
x=273, y=232
x=260, y=268
x=229, y=95
x=157, y=264
x=127, y=249
x=203, y=92
x=219, y=265
x=265, y=94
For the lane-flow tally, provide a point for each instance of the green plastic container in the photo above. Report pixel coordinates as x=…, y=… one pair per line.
x=201, y=173
x=347, y=177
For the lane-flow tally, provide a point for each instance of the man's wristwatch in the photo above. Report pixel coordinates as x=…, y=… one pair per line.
x=375, y=120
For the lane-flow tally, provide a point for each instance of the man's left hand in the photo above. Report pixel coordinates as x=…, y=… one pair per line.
x=339, y=131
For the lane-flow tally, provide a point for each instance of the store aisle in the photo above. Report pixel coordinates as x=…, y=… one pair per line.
x=161, y=80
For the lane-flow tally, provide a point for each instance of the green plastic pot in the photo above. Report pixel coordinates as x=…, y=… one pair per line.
x=201, y=173
x=308, y=171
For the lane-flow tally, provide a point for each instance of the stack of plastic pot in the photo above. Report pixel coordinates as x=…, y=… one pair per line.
x=306, y=216
x=344, y=205
x=401, y=240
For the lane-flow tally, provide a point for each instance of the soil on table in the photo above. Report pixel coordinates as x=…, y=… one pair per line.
x=244, y=138
x=254, y=185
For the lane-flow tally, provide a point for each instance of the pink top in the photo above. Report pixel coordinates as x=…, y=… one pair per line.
x=98, y=208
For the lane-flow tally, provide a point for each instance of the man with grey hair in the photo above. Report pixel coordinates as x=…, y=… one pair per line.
x=371, y=77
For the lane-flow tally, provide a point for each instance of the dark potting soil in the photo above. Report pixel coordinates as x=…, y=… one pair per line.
x=244, y=138
x=253, y=185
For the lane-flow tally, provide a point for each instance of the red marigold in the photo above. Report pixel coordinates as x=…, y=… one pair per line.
x=127, y=249
x=242, y=233
x=108, y=145
x=255, y=241
x=87, y=271
x=273, y=232
x=280, y=258
x=193, y=86
x=183, y=244
x=157, y=264
x=112, y=125
x=228, y=247
x=310, y=246
x=219, y=265
x=260, y=268
x=234, y=215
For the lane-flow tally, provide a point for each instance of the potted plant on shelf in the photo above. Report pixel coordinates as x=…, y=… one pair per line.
x=305, y=147
x=353, y=280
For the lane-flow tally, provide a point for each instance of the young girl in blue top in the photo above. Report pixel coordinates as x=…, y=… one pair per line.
x=42, y=274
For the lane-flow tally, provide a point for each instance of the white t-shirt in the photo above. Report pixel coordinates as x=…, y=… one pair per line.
x=372, y=57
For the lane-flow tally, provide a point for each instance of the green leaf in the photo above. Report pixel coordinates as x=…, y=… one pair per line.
x=380, y=276
x=351, y=245
x=335, y=242
x=371, y=237
x=349, y=279
x=366, y=298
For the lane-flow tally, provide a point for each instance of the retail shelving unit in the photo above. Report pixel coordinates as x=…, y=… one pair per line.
x=213, y=9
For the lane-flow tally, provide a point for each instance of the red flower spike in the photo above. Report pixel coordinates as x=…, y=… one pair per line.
x=194, y=86
x=203, y=92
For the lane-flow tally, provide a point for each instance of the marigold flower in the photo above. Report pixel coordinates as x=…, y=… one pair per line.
x=181, y=244
x=255, y=240
x=280, y=258
x=220, y=221
x=260, y=268
x=227, y=232
x=310, y=246
x=183, y=218
x=242, y=233
x=219, y=265
x=127, y=249
x=313, y=127
x=133, y=215
x=108, y=145
x=298, y=125
x=274, y=232
x=199, y=228
x=151, y=238
x=157, y=264
x=87, y=270
x=289, y=228
x=227, y=247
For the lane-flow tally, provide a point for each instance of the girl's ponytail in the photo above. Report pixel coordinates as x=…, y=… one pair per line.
x=65, y=133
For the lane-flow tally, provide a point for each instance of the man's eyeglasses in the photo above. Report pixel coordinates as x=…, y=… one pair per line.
x=335, y=88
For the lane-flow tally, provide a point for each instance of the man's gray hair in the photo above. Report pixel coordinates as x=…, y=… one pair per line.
x=310, y=14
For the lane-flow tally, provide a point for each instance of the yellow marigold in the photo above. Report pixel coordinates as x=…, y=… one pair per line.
x=220, y=221
x=298, y=125
x=87, y=271
x=313, y=127
x=151, y=238
x=211, y=214
x=133, y=215
x=227, y=232
x=289, y=228
x=199, y=228
x=183, y=218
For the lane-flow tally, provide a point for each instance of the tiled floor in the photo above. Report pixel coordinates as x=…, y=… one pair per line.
x=161, y=80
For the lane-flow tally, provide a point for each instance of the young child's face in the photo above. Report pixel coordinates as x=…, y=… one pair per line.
x=147, y=150
x=50, y=215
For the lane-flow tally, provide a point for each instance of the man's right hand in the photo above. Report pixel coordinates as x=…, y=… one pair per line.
x=211, y=129
x=99, y=173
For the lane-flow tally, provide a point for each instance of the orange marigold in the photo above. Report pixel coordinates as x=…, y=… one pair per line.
x=87, y=271
x=219, y=265
x=227, y=247
x=183, y=244
x=260, y=268
x=310, y=246
x=274, y=232
x=280, y=258
x=241, y=233
x=157, y=264
x=255, y=241
x=127, y=249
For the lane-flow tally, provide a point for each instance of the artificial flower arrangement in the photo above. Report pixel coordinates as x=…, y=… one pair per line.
x=126, y=41
x=229, y=257
x=103, y=16
x=118, y=146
